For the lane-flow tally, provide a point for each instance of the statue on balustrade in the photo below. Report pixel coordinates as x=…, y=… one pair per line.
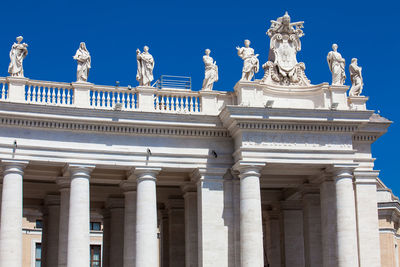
x=82, y=56
x=145, y=66
x=211, y=71
x=336, y=65
x=250, y=61
x=17, y=55
x=282, y=67
x=357, y=82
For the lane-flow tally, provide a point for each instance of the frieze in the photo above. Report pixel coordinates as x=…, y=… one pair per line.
x=299, y=140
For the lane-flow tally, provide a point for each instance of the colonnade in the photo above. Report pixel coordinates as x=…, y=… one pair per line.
x=212, y=238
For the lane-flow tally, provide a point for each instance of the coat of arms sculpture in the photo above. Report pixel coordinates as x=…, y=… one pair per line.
x=282, y=67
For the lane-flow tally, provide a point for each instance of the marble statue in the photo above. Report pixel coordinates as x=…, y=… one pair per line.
x=336, y=65
x=17, y=55
x=282, y=67
x=82, y=56
x=357, y=83
x=250, y=61
x=211, y=71
x=145, y=66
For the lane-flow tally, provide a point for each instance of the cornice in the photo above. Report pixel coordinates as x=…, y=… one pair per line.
x=113, y=127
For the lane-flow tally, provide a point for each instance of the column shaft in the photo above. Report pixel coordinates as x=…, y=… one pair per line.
x=63, y=228
x=312, y=230
x=117, y=232
x=52, y=225
x=79, y=218
x=106, y=238
x=346, y=220
x=130, y=229
x=293, y=237
x=191, y=232
x=367, y=218
x=147, y=254
x=251, y=235
x=176, y=215
x=11, y=216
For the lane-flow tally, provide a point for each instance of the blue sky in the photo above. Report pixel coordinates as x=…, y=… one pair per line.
x=177, y=33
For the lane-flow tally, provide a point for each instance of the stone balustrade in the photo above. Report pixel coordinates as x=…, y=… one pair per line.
x=91, y=96
x=3, y=88
x=177, y=101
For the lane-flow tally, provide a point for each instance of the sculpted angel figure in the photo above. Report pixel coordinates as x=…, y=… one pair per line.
x=250, y=61
x=18, y=53
x=82, y=56
x=357, y=82
x=336, y=65
x=211, y=71
x=145, y=66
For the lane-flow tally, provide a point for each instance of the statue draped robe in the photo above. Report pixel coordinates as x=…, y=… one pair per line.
x=211, y=73
x=336, y=65
x=17, y=54
x=250, y=63
x=84, y=64
x=145, y=66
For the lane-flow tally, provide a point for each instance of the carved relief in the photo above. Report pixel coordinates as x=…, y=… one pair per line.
x=282, y=67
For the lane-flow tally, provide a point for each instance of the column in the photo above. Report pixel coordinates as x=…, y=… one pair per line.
x=106, y=238
x=346, y=219
x=64, y=184
x=367, y=218
x=146, y=217
x=79, y=216
x=116, y=208
x=164, y=238
x=328, y=222
x=52, y=206
x=129, y=188
x=11, y=214
x=293, y=233
x=273, y=236
x=236, y=218
x=191, y=232
x=251, y=235
x=176, y=215
x=213, y=220
x=312, y=227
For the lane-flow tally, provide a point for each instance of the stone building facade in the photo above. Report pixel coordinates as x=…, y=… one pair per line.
x=278, y=172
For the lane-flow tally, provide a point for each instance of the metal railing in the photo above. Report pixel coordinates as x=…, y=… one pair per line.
x=174, y=82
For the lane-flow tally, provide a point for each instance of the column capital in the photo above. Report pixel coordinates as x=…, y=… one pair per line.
x=128, y=185
x=366, y=176
x=52, y=200
x=146, y=173
x=246, y=168
x=201, y=174
x=174, y=203
x=14, y=166
x=115, y=203
x=189, y=189
x=72, y=169
x=63, y=183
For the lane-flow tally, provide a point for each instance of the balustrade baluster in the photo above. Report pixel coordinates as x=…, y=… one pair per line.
x=28, y=93
x=186, y=103
x=162, y=102
x=167, y=104
x=157, y=102
x=195, y=104
x=66, y=98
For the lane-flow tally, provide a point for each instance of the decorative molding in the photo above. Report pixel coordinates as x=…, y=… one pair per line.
x=117, y=129
x=365, y=138
x=296, y=127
